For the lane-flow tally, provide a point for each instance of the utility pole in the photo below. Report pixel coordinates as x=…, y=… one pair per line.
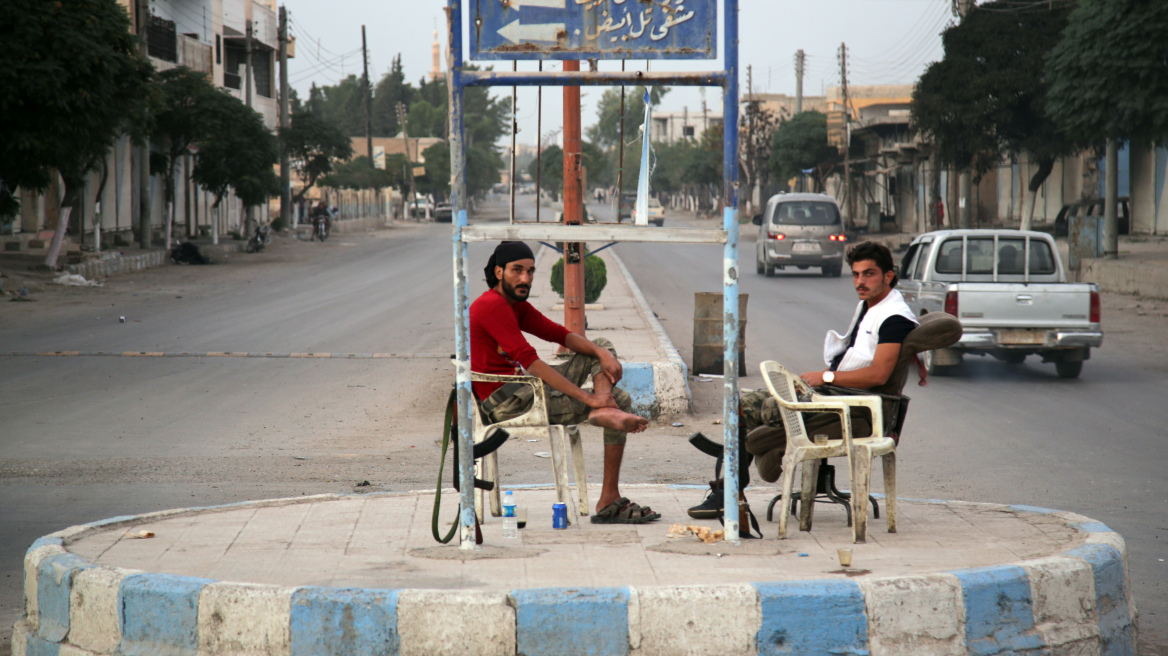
x=368, y=100
x=514, y=131
x=848, y=205
x=250, y=211
x=143, y=153
x=573, y=204
x=247, y=81
x=800, y=59
x=401, y=118
x=620, y=168
x=286, y=214
x=964, y=177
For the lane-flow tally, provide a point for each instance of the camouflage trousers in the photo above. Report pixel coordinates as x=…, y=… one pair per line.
x=760, y=409
x=513, y=399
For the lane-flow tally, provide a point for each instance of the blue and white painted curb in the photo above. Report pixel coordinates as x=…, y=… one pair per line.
x=1074, y=603
x=661, y=387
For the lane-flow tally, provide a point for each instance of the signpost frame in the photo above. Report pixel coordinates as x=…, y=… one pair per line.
x=726, y=78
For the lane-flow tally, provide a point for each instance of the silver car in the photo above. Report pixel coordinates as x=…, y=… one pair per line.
x=800, y=230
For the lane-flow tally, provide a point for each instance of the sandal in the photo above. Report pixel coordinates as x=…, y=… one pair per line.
x=623, y=511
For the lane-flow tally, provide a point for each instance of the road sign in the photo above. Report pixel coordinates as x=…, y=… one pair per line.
x=594, y=29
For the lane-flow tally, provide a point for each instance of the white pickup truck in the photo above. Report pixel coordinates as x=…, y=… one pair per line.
x=1009, y=289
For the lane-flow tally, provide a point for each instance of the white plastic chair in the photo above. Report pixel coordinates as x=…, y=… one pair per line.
x=785, y=386
x=533, y=423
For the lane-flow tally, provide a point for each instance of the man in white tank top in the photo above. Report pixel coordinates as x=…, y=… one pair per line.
x=863, y=358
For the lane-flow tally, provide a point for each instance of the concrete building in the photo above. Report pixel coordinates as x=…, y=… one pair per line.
x=208, y=36
x=671, y=127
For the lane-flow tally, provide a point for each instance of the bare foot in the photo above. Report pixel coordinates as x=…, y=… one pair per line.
x=617, y=419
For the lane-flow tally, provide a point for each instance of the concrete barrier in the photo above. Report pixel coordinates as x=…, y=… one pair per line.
x=1139, y=277
x=1076, y=602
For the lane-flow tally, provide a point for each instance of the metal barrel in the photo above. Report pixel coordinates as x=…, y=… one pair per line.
x=708, y=347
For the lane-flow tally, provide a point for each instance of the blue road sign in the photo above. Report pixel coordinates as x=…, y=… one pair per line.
x=594, y=29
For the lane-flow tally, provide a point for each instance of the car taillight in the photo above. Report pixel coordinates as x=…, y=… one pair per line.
x=1095, y=312
x=776, y=235
x=837, y=238
x=951, y=303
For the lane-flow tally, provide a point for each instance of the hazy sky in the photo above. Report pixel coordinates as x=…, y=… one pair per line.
x=889, y=42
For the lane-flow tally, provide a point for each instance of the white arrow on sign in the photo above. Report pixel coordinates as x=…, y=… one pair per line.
x=516, y=33
x=551, y=4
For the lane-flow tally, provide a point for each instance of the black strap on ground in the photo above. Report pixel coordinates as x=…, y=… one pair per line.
x=451, y=404
x=487, y=446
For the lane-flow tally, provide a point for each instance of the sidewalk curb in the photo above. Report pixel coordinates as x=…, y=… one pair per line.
x=670, y=393
x=113, y=263
x=1075, y=602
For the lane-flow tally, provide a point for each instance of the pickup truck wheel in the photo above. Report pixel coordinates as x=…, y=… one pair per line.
x=1069, y=369
x=931, y=367
x=770, y=271
x=759, y=267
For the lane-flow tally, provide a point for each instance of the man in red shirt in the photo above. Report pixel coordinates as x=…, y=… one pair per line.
x=498, y=320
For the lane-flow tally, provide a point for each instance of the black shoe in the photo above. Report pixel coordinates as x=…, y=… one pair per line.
x=711, y=508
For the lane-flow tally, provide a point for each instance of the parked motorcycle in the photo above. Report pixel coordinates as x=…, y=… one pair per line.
x=261, y=238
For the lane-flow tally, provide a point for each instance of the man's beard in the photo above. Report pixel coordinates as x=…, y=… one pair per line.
x=511, y=292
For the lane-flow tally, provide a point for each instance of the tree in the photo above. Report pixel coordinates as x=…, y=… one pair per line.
x=437, y=180
x=314, y=147
x=359, y=173
x=987, y=95
x=73, y=83
x=606, y=133
x=550, y=170
x=239, y=154
x=800, y=143
x=1108, y=76
x=390, y=90
x=755, y=134
x=180, y=122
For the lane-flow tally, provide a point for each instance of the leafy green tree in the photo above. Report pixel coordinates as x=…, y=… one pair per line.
x=390, y=90
x=800, y=143
x=359, y=173
x=315, y=146
x=606, y=132
x=342, y=104
x=180, y=121
x=239, y=154
x=550, y=170
x=987, y=96
x=597, y=165
x=1108, y=76
x=72, y=83
x=437, y=179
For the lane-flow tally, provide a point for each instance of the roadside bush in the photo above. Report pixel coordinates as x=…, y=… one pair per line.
x=595, y=278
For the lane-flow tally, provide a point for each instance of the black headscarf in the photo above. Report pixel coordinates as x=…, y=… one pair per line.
x=506, y=253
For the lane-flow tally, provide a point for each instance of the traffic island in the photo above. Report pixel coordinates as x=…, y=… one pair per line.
x=361, y=574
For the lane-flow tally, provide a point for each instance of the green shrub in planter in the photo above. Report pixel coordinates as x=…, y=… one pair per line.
x=595, y=278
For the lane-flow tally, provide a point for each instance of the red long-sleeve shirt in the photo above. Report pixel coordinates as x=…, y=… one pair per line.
x=497, y=344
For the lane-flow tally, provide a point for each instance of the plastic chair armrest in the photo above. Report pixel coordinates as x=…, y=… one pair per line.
x=875, y=406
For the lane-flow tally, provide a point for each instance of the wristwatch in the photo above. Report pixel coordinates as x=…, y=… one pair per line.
x=829, y=377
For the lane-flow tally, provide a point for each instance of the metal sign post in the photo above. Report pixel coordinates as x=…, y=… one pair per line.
x=600, y=29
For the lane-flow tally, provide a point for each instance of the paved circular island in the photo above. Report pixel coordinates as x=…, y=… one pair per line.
x=361, y=574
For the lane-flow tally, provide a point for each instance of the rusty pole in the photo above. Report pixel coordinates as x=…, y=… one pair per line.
x=573, y=205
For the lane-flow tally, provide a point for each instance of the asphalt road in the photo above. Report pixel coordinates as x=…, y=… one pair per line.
x=1013, y=434
x=85, y=438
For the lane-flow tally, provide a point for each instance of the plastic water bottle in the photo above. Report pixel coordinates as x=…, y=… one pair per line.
x=510, y=520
